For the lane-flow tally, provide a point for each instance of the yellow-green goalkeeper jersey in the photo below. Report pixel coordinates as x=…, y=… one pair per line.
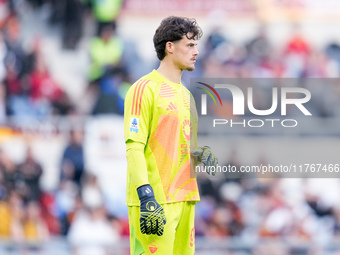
x=163, y=116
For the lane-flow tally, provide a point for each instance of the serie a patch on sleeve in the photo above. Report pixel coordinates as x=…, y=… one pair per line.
x=134, y=124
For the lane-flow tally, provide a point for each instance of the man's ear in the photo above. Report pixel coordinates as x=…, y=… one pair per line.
x=169, y=47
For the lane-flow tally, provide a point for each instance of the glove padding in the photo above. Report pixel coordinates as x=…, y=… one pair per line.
x=152, y=216
x=206, y=156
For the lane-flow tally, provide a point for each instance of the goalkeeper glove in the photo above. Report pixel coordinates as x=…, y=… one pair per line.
x=152, y=216
x=206, y=156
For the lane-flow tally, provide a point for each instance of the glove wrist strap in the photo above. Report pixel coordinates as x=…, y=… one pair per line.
x=145, y=191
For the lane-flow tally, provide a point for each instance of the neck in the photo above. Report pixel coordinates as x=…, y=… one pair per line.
x=170, y=71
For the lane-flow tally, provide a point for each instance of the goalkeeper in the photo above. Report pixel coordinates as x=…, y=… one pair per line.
x=160, y=126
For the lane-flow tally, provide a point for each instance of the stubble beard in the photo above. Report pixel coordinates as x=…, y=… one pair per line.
x=190, y=68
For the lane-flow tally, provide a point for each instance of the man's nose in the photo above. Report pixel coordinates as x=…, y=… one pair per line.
x=196, y=51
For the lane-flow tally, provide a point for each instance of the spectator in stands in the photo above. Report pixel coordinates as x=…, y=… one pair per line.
x=66, y=199
x=57, y=11
x=105, y=12
x=277, y=216
x=31, y=172
x=125, y=84
x=45, y=92
x=337, y=222
x=34, y=228
x=333, y=51
x=296, y=52
x=5, y=215
x=15, y=61
x=297, y=44
x=49, y=212
x=204, y=212
x=233, y=161
x=10, y=172
x=72, y=23
x=112, y=94
x=3, y=104
x=107, y=70
x=6, y=12
x=16, y=55
x=217, y=225
x=33, y=52
x=3, y=52
x=207, y=187
x=17, y=101
x=3, y=191
x=3, y=184
x=106, y=51
x=72, y=163
x=215, y=39
x=12, y=82
x=317, y=65
x=259, y=48
x=91, y=192
x=16, y=217
x=91, y=232
x=230, y=195
x=36, y=3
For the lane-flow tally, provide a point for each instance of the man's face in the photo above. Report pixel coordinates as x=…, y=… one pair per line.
x=185, y=53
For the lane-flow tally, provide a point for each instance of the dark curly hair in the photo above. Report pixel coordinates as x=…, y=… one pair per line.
x=173, y=29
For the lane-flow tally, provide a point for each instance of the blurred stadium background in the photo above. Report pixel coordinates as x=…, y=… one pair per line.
x=62, y=153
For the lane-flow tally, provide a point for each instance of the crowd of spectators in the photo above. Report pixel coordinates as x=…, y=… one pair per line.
x=246, y=208
x=21, y=210
x=29, y=88
x=29, y=216
x=252, y=209
x=297, y=57
x=259, y=63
